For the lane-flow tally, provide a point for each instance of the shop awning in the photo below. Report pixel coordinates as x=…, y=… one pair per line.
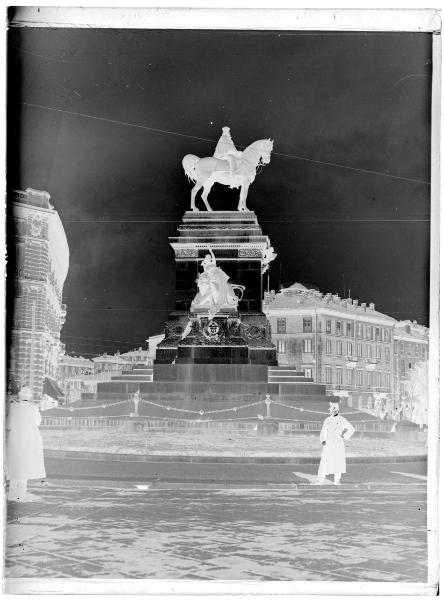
x=50, y=388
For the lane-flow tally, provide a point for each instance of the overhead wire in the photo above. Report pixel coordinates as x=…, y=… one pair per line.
x=177, y=133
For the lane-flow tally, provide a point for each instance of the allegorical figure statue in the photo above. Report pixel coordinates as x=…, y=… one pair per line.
x=268, y=256
x=228, y=166
x=214, y=292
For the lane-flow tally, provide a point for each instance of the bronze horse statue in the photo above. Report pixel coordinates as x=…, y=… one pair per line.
x=237, y=172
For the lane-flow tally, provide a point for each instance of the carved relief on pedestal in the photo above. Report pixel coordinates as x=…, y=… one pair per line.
x=250, y=253
x=187, y=253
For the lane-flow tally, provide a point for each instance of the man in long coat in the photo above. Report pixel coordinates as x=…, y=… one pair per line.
x=24, y=446
x=335, y=430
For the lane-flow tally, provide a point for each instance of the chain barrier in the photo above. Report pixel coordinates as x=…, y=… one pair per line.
x=211, y=412
x=204, y=412
x=76, y=408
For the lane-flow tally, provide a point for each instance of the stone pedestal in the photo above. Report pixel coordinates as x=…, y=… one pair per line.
x=235, y=337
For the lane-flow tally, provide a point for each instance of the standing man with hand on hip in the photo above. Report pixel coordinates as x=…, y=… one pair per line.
x=335, y=430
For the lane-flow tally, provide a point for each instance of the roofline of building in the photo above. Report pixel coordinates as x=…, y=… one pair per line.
x=367, y=316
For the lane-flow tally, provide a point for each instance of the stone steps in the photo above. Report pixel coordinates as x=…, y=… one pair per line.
x=286, y=375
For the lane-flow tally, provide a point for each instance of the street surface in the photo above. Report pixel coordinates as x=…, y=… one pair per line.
x=218, y=472
x=372, y=528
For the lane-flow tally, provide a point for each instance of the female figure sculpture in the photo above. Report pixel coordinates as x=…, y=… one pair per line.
x=214, y=290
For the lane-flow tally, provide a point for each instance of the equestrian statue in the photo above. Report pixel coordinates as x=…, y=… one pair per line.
x=228, y=166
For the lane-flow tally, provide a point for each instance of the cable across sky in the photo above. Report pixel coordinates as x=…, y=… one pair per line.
x=177, y=133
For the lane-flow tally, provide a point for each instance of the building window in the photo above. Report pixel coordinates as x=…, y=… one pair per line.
x=386, y=335
x=282, y=325
x=378, y=352
x=359, y=330
x=349, y=377
x=360, y=377
x=349, y=349
x=369, y=332
x=339, y=376
x=307, y=325
x=327, y=346
x=369, y=351
x=423, y=353
x=396, y=347
x=378, y=334
x=328, y=326
x=369, y=378
x=359, y=350
x=402, y=367
x=416, y=349
x=281, y=346
x=402, y=347
x=349, y=329
x=377, y=379
x=387, y=355
x=388, y=381
x=339, y=348
x=308, y=346
x=308, y=373
x=338, y=328
x=328, y=373
x=409, y=348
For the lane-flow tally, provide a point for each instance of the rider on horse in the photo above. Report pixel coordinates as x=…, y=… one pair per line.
x=226, y=150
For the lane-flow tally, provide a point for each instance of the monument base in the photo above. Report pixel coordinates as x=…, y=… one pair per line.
x=227, y=338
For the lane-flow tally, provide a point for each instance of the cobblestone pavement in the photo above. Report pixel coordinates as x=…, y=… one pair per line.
x=121, y=530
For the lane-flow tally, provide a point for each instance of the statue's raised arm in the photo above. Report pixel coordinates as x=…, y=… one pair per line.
x=228, y=166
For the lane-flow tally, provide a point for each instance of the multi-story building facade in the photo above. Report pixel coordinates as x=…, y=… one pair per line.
x=411, y=346
x=336, y=341
x=41, y=266
x=111, y=363
x=70, y=366
x=137, y=357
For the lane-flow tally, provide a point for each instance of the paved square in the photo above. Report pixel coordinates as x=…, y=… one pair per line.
x=82, y=529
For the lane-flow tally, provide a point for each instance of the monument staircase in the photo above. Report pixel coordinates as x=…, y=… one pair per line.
x=286, y=375
x=138, y=374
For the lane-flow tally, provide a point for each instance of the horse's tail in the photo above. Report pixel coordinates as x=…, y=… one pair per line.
x=189, y=163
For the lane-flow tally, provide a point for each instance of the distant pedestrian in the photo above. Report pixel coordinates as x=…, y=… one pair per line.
x=335, y=430
x=24, y=446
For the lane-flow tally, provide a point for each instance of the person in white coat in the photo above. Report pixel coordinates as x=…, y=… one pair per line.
x=24, y=446
x=335, y=430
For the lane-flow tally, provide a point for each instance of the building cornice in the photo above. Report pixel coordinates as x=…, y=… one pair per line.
x=366, y=317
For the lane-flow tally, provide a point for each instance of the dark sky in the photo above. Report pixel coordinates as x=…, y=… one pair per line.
x=353, y=99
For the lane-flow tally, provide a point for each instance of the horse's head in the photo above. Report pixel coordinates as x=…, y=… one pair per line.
x=267, y=149
x=263, y=148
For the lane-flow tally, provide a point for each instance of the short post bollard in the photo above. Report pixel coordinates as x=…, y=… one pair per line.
x=268, y=426
x=267, y=403
x=133, y=424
